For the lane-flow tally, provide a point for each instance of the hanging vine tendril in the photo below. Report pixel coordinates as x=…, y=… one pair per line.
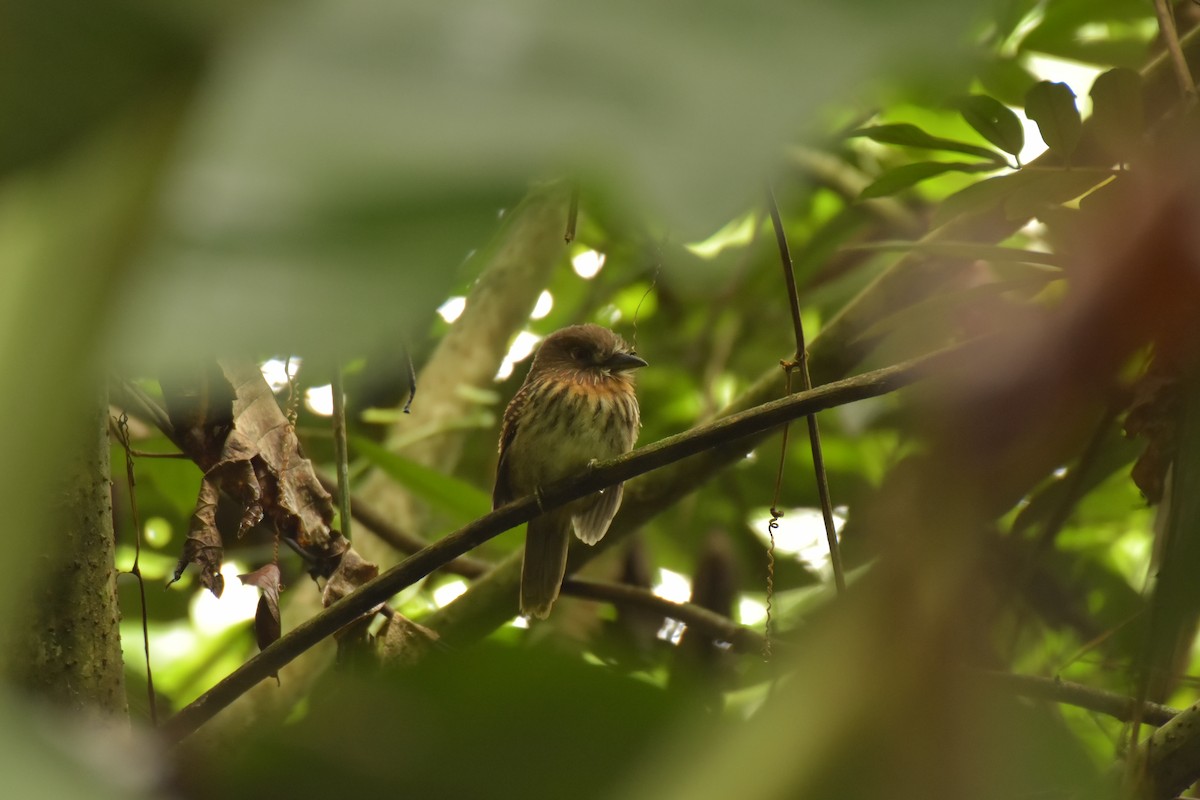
x=773, y=523
x=136, y=570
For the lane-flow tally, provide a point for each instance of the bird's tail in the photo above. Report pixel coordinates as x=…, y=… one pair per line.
x=545, y=563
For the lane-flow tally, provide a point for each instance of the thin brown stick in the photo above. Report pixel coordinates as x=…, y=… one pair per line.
x=572, y=215
x=801, y=358
x=773, y=525
x=743, y=639
x=340, y=449
x=1166, y=26
x=402, y=541
x=122, y=426
x=1076, y=694
x=609, y=473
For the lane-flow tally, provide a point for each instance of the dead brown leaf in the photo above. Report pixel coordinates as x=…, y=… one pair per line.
x=267, y=628
x=227, y=420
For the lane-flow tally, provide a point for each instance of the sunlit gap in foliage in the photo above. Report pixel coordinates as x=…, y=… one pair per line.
x=319, y=400
x=587, y=264
x=273, y=371
x=520, y=349
x=444, y=594
x=751, y=611
x=736, y=233
x=801, y=534
x=237, y=603
x=452, y=309
x=545, y=303
x=677, y=588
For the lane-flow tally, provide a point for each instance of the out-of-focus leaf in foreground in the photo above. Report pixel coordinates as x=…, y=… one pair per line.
x=500, y=723
x=346, y=157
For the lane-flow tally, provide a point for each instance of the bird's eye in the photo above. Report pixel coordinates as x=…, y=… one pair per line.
x=578, y=354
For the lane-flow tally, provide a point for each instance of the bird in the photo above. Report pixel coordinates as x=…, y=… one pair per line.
x=576, y=406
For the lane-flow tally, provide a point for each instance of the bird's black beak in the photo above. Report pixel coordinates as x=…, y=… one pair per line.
x=623, y=362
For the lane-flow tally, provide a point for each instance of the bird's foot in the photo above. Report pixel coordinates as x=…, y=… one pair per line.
x=537, y=496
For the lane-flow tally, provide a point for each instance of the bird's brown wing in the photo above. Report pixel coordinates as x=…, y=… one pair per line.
x=503, y=492
x=592, y=521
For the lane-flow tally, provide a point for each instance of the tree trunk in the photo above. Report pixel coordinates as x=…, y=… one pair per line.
x=66, y=647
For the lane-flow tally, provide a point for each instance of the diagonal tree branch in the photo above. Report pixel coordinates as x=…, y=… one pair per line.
x=721, y=433
x=517, y=266
x=1069, y=693
x=840, y=346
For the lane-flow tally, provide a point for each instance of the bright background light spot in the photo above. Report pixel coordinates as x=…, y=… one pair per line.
x=673, y=586
x=237, y=603
x=587, y=264
x=737, y=232
x=445, y=593
x=610, y=315
x=521, y=347
x=167, y=644
x=801, y=534
x=519, y=622
x=453, y=308
x=545, y=302
x=274, y=374
x=319, y=400
x=751, y=612
x=157, y=531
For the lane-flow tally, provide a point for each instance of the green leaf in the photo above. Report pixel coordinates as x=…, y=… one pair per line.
x=995, y=122
x=1123, y=52
x=458, y=498
x=903, y=177
x=1052, y=107
x=1022, y=194
x=968, y=250
x=980, y=197
x=1007, y=80
x=1118, y=115
x=907, y=135
x=1052, y=187
x=938, y=315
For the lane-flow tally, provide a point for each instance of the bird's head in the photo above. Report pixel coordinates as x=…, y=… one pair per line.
x=586, y=352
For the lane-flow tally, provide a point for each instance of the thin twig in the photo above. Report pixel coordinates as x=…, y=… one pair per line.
x=600, y=476
x=412, y=380
x=406, y=543
x=713, y=625
x=1075, y=486
x=129, y=393
x=773, y=525
x=1076, y=694
x=814, y=433
x=572, y=214
x=1166, y=26
x=340, y=449
x=136, y=570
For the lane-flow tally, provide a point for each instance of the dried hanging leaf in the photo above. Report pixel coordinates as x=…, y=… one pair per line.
x=267, y=628
x=352, y=572
x=403, y=642
x=203, y=544
x=227, y=420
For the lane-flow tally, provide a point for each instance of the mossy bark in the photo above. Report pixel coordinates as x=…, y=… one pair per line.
x=67, y=649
